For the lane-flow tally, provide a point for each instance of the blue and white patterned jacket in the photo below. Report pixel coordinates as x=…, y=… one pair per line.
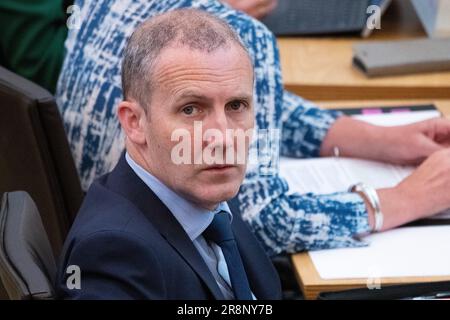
x=89, y=89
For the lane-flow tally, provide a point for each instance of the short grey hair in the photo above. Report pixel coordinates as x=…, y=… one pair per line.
x=198, y=30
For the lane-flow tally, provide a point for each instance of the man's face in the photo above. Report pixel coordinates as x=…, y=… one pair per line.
x=199, y=90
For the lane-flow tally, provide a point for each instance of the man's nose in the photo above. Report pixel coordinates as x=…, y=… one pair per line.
x=218, y=124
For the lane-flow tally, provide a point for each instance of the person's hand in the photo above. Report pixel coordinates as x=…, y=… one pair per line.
x=405, y=145
x=424, y=193
x=412, y=144
x=254, y=8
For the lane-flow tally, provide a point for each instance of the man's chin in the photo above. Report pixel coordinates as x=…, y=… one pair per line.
x=214, y=194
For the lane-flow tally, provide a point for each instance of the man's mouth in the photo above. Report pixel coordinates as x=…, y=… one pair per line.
x=221, y=167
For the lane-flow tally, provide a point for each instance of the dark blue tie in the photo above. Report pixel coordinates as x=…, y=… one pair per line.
x=219, y=232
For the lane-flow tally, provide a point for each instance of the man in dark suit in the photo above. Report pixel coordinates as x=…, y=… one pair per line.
x=158, y=226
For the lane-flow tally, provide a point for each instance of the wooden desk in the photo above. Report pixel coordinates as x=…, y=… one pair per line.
x=321, y=68
x=306, y=274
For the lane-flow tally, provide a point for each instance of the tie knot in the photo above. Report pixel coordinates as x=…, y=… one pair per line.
x=220, y=229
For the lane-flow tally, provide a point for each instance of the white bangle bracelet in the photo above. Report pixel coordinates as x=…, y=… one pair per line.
x=372, y=197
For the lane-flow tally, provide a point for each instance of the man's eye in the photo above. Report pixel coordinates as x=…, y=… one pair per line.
x=189, y=110
x=235, y=105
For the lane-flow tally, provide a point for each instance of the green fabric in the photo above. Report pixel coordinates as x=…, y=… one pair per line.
x=32, y=39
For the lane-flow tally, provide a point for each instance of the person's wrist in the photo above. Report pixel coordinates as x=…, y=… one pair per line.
x=332, y=138
x=372, y=202
x=413, y=201
x=354, y=138
x=370, y=212
x=374, y=142
x=396, y=211
x=397, y=206
x=386, y=144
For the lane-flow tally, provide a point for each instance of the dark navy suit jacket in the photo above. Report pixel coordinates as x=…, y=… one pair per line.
x=128, y=245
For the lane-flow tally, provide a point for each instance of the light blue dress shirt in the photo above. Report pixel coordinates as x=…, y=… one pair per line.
x=194, y=221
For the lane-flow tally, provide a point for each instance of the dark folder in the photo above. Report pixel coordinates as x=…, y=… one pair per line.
x=383, y=58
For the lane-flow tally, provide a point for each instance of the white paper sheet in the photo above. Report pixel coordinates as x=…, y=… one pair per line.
x=402, y=252
x=328, y=175
x=398, y=118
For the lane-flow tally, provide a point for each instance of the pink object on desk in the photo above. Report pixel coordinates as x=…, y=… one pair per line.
x=372, y=111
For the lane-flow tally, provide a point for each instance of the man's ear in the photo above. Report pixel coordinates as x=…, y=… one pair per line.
x=133, y=120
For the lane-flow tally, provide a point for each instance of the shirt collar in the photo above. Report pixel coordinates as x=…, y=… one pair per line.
x=192, y=218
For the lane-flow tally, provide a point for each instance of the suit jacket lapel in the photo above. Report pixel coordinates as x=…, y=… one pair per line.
x=124, y=181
